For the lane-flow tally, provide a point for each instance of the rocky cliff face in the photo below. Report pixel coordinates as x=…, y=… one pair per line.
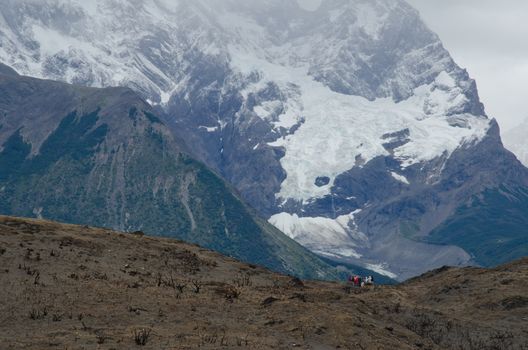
x=102, y=157
x=349, y=127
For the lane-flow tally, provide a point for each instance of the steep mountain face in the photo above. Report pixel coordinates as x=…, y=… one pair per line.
x=349, y=127
x=101, y=157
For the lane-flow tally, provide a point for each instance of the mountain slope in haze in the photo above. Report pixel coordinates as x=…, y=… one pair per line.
x=350, y=128
x=66, y=286
x=515, y=141
x=101, y=157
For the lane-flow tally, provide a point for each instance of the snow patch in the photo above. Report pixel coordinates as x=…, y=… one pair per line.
x=338, y=237
x=165, y=97
x=209, y=128
x=370, y=20
x=400, y=178
x=309, y=5
x=445, y=80
x=381, y=269
x=52, y=42
x=338, y=253
x=334, y=238
x=89, y=6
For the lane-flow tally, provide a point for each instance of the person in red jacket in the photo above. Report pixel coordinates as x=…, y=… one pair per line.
x=357, y=281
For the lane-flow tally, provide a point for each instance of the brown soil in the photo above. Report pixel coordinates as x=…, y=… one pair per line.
x=74, y=287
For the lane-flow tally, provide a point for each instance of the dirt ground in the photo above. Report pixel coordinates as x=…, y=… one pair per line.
x=74, y=287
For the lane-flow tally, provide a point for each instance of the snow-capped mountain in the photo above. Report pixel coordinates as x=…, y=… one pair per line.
x=350, y=127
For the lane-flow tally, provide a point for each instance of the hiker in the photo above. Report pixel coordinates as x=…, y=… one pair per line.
x=369, y=280
x=357, y=282
x=350, y=279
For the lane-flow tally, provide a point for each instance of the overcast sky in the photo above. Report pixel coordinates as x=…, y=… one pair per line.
x=490, y=39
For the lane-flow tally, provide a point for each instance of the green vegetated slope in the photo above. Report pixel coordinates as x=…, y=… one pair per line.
x=101, y=157
x=493, y=227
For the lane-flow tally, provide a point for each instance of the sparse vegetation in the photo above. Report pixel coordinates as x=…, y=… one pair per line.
x=242, y=341
x=214, y=338
x=232, y=293
x=36, y=278
x=38, y=313
x=101, y=337
x=180, y=287
x=197, y=286
x=141, y=336
x=102, y=279
x=243, y=279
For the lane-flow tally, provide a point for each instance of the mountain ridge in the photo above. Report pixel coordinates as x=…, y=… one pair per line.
x=101, y=157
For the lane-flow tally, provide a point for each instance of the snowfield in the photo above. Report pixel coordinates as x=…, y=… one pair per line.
x=340, y=131
x=336, y=237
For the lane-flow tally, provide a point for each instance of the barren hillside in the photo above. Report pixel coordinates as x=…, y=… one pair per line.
x=75, y=287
